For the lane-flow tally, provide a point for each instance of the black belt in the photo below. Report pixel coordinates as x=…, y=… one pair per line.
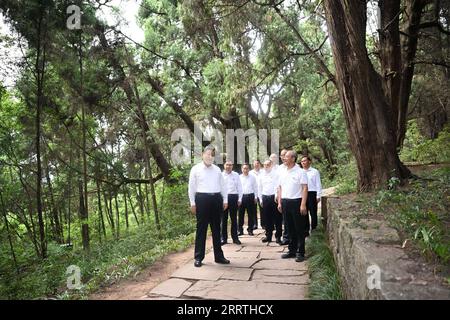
x=291, y=200
x=248, y=194
x=269, y=196
x=208, y=194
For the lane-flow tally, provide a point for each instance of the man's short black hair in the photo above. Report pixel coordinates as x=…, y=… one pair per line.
x=307, y=157
x=210, y=147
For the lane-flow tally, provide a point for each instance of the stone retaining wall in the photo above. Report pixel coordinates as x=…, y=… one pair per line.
x=363, y=245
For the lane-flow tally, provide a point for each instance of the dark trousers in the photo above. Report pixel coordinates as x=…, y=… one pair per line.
x=209, y=210
x=261, y=215
x=296, y=224
x=311, y=205
x=285, y=226
x=248, y=204
x=272, y=217
x=232, y=211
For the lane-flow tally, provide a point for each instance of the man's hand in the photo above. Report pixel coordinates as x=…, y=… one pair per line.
x=256, y=200
x=194, y=209
x=239, y=203
x=279, y=208
x=318, y=200
x=303, y=210
x=225, y=206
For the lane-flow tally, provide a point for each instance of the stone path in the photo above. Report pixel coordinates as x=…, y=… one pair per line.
x=256, y=272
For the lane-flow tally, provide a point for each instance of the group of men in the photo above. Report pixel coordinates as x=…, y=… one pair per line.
x=284, y=193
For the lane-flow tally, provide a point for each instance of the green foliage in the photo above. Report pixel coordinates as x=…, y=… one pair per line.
x=345, y=180
x=419, y=149
x=325, y=282
x=420, y=212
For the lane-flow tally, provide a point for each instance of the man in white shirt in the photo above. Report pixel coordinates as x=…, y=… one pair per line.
x=314, y=192
x=250, y=194
x=255, y=172
x=208, y=197
x=280, y=170
x=292, y=197
x=267, y=188
x=234, y=189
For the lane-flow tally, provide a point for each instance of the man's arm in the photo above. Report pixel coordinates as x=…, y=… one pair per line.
x=319, y=187
x=192, y=189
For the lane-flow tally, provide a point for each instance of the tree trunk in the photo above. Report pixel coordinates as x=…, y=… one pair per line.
x=371, y=133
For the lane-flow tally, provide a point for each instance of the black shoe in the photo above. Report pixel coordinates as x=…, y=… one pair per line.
x=250, y=233
x=237, y=241
x=287, y=255
x=255, y=227
x=223, y=242
x=197, y=263
x=299, y=258
x=240, y=233
x=278, y=241
x=222, y=261
x=265, y=239
x=284, y=242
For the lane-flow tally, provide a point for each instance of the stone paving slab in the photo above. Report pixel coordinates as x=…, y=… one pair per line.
x=246, y=290
x=234, y=262
x=242, y=274
x=270, y=255
x=235, y=254
x=253, y=248
x=281, y=264
x=281, y=276
x=172, y=287
x=206, y=272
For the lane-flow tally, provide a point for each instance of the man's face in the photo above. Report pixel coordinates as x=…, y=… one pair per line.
x=208, y=157
x=274, y=158
x=289, y=157
x=267, y=166
x=283, y=156
x=245, y=169
x=228, y=166
x=306, y=163
x=256, y=165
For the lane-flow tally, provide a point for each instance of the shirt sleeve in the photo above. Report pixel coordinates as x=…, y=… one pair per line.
x=192, y=188
x=223, y=188
x=239, y=187
x=303, y=177
x=319, y=185
x=254, y=186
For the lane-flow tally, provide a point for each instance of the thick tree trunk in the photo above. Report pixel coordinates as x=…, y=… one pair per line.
x=372, y=137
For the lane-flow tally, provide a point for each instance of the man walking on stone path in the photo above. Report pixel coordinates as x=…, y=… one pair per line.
x=267, y=188
x=250, y=194
x=234, y=190
x=280, y=169
x=292, y=197
x=208, y=197
x=314, y=192
x=255, y=172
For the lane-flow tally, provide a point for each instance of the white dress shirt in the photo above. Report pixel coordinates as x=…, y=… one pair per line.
x=267, y=183
x=249, y=184
x=291, y=181
x=233, y=183
x=314, y=183
x=208, y=180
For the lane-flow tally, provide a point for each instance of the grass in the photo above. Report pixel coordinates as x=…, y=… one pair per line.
x=325, y=282
x=420, y=213
x=105, y=264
